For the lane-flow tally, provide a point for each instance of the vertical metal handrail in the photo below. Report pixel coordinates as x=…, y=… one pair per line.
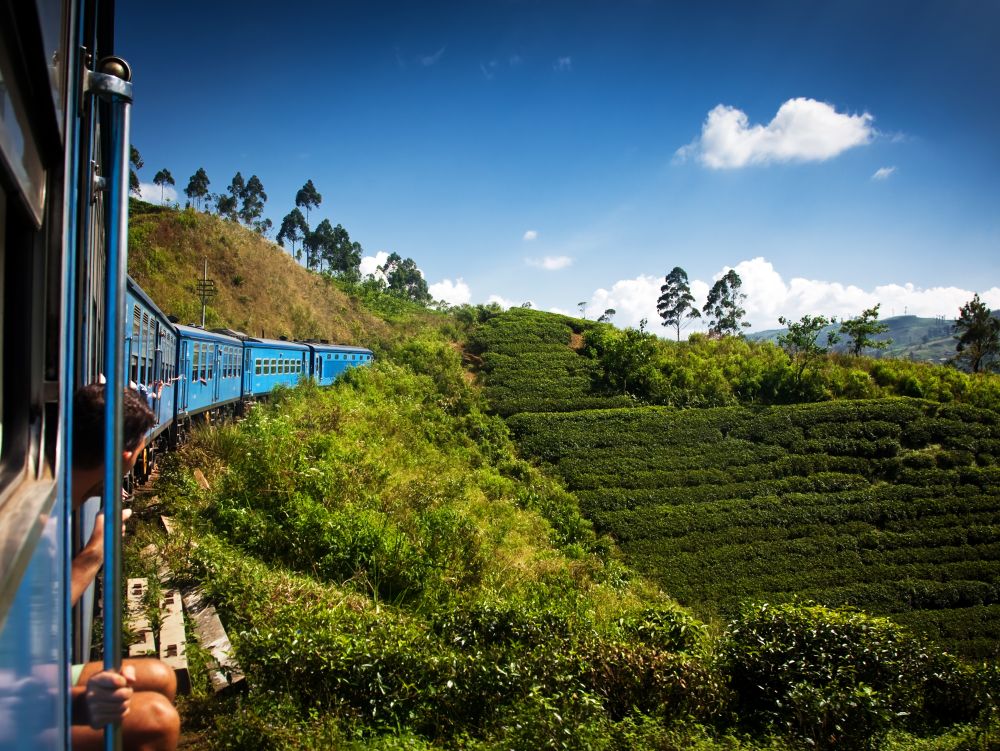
x=112, y=83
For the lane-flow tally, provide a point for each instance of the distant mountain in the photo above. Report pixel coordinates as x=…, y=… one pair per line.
x=912, y=337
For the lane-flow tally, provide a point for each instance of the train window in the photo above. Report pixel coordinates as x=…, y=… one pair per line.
x=134, y=349
x=196, y=362
x=210, y=352
x=274, y=366
x=257, y=366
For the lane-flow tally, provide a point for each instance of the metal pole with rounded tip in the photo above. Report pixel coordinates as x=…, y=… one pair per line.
x=112, y=83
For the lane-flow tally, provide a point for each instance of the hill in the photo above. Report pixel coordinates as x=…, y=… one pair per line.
x=262, y=290
x=395, y=576
x=887, y=504
x=913, y=338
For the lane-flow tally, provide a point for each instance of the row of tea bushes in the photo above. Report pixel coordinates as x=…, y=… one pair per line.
x=889, y=504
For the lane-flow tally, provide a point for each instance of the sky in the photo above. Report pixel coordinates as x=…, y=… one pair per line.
x=570, y=154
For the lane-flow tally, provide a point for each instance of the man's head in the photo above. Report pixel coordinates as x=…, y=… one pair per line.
x=88, y=425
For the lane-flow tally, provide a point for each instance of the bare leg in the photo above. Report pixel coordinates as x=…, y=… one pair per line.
x=152, y=724
x=150, y=675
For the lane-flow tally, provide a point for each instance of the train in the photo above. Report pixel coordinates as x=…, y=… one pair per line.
x=187, y=371
x=70, y=316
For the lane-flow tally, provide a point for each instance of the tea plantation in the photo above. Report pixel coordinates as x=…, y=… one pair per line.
x=891, y=505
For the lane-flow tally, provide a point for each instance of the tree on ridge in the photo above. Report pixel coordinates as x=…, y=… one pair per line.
x=293, y=229
x=723, y=306
x=163, y=178
x=977, y=332
x=308, y=198
x=676, y=301
x=197, y=187
x=862, y=330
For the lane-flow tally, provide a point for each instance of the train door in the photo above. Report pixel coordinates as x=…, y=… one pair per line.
x=216, y=370
x=184, y=368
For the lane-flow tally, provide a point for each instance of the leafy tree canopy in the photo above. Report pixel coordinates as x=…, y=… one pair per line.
x=293, y=229
x=135, y=164
x=862, y=330
x=163, y=178
x=676, y=302
x=405, y=279
x=197, y=187
x=801, y=340
x=723, y=306
x=308, y=197
x=978, y=333
x=253, y=198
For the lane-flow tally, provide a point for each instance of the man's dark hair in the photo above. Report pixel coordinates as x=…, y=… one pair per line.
x=88, y=423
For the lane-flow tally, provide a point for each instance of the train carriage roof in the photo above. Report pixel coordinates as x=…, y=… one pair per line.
x=136, y=291
x=349, y=348
x=193, y=332
x=255, y=343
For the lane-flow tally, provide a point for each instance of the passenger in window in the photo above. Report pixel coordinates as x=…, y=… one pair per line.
x=141, y=696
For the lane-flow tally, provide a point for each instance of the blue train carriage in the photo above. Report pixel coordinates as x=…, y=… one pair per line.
x=62, y=249
x=211, y=369
x=268, y=363
x=151, y=366
x=328, y=361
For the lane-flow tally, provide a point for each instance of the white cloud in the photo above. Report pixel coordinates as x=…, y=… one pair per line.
x=502, y=302
x=370, y=264
x=429, y=60
x=803, y=130
x=151, y=193
x=530, y=235
x=883, y=173
x=453, y=293
x=563, y=64
x=632, y=300
x=769, y=295
x=550, y=263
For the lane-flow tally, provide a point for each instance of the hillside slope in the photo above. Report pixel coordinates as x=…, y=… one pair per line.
x=887, y=504
x=262, y=291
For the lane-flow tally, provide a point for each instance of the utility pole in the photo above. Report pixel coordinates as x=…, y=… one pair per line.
x=206, y=290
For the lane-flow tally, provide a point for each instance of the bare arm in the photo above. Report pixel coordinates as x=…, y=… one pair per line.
x=88, y=561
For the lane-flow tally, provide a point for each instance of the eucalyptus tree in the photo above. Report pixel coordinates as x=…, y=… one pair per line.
x=293, y=229
x=405, y=279
x=197, y=187
x=723, y=307
x=253, y=200
x=163, y=178
x=135, y=164
x=342, y=255
x=676, y=302
x=308, y=198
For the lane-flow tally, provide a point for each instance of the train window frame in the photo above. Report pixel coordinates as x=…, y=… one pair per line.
x=257, y=367
x=134, y=344
x=211, y=362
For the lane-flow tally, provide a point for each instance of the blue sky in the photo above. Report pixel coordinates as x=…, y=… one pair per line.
x=836, y=154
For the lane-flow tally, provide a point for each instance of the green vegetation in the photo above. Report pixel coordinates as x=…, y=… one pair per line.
x=891, y=505
x=537, y=362
x=393, y=577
